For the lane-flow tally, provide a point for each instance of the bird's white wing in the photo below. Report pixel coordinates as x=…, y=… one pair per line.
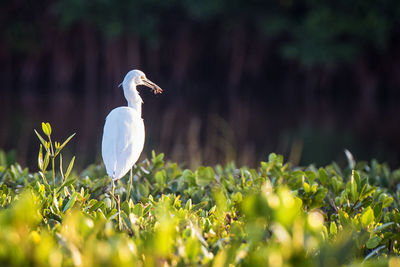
x=123, y=140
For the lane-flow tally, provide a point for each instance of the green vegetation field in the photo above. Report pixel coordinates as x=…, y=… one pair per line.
x=274, y=215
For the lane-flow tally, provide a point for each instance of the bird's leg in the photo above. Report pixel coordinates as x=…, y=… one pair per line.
x=112, y=188
x=118, y=201
x=130, y=186
x=119, y=213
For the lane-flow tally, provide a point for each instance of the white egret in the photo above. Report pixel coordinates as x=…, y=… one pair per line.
x=124, y=134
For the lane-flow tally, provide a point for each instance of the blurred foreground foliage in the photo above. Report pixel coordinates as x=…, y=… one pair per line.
x=275, y=215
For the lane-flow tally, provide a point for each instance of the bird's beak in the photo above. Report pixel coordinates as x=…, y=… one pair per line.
x=150, y=84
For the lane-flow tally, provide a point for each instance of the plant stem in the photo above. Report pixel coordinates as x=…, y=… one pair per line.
x=119, y=213
x=129, y=186
x=44, y=178
x=112, y=187
x=51, y=147
x=54, y=173
x=118, y=201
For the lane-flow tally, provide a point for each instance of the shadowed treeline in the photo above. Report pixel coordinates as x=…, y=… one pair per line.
x=241, y=78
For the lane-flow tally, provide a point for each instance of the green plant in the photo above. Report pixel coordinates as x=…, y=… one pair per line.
x=52, y=151
x=275, y=215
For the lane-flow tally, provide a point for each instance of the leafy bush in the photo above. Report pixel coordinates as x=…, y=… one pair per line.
x=276, y=215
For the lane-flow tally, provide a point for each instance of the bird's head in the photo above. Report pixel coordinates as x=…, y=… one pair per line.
x=137, y=77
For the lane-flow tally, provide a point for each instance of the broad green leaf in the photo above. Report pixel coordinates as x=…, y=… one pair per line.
x=357, y=179
x=138, y=210
x=311, y=176
x=343, y=217
x=353, y=187
x=142, y=189
x=333, y=228
x=237, y=197
x=161, y=178
x=367, y=217
x=367, y=191
x=387, y=202
x=378, y=210
x=204, y=176
x=373, y=242
x=323, y=176
x=306, y=187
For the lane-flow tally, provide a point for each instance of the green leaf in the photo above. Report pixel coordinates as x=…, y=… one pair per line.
x=64, y=144
x=333, y=228
x=382, y=227
x=354, y=186
x=373, y=242
x=61, y=168
x=199, y=206
x=96, y=206
x=344, y=218
x=138, y=210
x=71, y=202
x=69, y=169
x=46, y=128
x=237, y=197
x=46, y=161
x=67, y=183
x=143, y=190
x=378, y=210
x=161, y=178
x=367, y=191
x=272, y=157
x=188, y=205
x=204, y=176
x=41, y=139
x=306, y=187
x=387, y=202
x=323, y=176
x=40, y=159
x=357, y=179
x=367, y=217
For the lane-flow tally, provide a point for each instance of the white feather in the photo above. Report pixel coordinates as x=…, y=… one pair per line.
x=123, y=135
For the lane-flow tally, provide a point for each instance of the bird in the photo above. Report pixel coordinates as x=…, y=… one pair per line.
x=124, y=133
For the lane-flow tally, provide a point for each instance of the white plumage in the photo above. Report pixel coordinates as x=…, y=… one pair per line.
x=124, y=134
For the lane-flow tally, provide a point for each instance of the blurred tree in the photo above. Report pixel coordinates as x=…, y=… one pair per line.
x=247, y=54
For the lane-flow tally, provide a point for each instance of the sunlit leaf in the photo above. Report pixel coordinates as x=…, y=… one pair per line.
x=63, y=144
x=367, y=217
x=70, y=202
x=41, y=139
x=70, y=166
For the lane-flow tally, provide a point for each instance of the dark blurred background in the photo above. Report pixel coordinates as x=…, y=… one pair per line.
x=241, y=79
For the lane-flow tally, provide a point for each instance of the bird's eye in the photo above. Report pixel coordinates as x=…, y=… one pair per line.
x=142, y=77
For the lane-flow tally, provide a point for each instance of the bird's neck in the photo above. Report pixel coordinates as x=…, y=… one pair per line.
x=134, y=99
x=136, y=105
